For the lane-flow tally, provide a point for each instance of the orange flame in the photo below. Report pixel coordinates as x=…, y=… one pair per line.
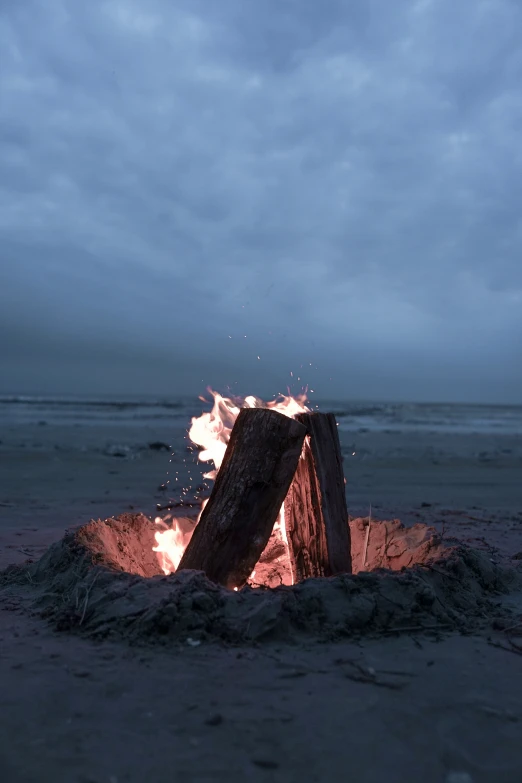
x=171, y=543
x=211, y=431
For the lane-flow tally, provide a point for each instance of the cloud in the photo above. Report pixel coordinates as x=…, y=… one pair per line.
x=346, y=178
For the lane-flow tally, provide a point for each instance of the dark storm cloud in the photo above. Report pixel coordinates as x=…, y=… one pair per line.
x=341, y=182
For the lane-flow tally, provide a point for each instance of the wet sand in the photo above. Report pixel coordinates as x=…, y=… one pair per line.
x=77, y=711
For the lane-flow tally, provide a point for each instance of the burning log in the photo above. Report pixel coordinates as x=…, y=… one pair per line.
x=316, y=516
x=305, y=530
x=251, y=485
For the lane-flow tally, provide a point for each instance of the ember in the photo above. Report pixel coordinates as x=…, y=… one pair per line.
x=278, y=499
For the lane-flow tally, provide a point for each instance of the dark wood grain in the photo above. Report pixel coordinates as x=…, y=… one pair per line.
x=251, y=485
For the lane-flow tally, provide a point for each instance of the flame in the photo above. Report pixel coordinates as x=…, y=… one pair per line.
x=171, y=543
x=211, y=432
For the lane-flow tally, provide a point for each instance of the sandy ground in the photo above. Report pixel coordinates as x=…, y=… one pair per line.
x=82, y=712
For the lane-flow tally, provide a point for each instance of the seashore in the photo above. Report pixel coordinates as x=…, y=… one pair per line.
x=435, y=704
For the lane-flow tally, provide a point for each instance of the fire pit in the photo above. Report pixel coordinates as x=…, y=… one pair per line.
x=273, y=551
x=104, y=580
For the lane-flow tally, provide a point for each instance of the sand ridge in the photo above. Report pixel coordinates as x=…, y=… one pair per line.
x=103, y=580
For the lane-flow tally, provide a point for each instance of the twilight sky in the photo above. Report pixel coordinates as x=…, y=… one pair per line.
x=340, y=182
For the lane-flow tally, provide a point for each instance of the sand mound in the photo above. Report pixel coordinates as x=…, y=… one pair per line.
x=103, y=580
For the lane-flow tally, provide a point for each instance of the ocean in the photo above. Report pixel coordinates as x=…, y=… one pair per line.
x=351, y=416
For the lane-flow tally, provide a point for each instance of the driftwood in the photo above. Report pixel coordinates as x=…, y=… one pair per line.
x=316, y=516
x=251, y=485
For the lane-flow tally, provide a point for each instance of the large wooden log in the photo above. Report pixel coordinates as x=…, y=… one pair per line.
x=316, y=516
x=251, y=485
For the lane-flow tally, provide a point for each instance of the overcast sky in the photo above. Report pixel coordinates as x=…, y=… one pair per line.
x=339, y=181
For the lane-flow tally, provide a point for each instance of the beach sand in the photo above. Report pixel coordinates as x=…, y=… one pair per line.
x=73, y=710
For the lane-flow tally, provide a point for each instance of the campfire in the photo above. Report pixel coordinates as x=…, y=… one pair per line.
x=277, y=512
x=276, y=518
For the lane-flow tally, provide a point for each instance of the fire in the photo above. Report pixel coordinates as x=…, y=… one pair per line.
x=171, y=543
x=211, y=431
